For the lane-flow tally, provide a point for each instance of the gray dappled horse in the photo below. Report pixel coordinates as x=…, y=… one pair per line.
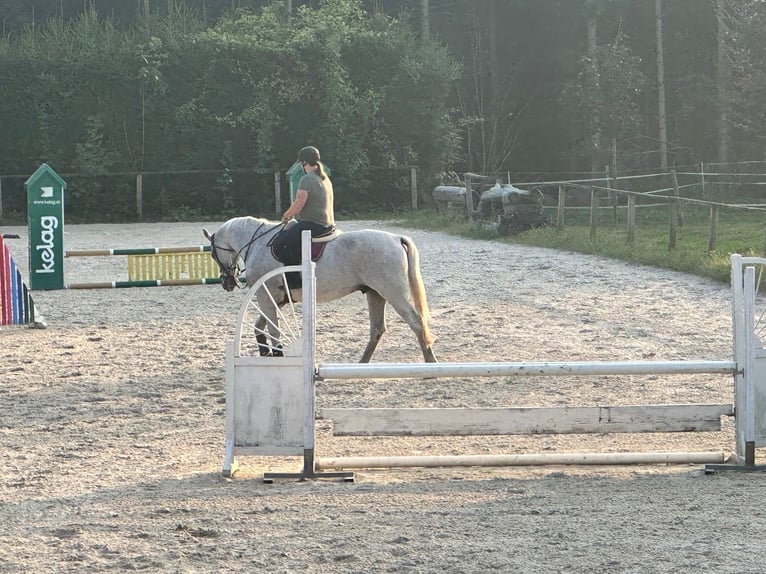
x=382, y=265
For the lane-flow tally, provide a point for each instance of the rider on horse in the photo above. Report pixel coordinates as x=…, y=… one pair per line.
x=313, y=206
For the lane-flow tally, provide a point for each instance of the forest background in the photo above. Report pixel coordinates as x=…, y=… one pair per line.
x=208, y=98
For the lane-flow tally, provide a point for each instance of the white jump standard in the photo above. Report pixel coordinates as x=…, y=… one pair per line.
x=270, y=400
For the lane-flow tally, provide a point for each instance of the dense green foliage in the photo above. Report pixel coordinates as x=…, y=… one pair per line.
x=210, y=112
x=207, y=98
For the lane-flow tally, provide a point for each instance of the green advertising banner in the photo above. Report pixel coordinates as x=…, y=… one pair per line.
x=45, y=219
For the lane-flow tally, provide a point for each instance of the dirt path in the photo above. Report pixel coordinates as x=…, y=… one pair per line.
x=111, y=427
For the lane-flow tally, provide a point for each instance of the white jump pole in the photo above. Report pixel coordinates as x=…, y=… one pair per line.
x=432, y=370
x=616, y=458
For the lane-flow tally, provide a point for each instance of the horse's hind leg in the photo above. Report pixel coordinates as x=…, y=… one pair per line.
x=415, y=321
x=376, y=306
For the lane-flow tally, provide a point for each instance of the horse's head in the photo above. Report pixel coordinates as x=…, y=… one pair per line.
x=227, y=259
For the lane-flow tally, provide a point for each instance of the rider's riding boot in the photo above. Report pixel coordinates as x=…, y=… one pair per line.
x=294, y=280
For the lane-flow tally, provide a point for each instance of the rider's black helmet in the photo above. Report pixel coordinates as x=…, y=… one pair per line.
x=309, y=154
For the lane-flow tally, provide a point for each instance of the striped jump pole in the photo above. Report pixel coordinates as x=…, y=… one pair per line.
x=136, y=251
x=156, y=267
x=145, y=283
x=16, y=304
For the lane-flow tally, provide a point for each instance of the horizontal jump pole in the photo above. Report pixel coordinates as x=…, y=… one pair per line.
x=137, y=251
x=328, y=371
x=562, y=459
x=526, y=420
x=145, y=283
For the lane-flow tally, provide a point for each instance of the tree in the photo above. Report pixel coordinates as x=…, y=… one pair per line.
x=743, y=57
x=173, y=94
x=603, y=99
x=661, y=117
x=723, y=81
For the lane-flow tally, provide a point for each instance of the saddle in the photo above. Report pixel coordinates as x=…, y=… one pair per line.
x=318, y=243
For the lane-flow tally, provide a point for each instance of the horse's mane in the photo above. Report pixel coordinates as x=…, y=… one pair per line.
x=248, y=221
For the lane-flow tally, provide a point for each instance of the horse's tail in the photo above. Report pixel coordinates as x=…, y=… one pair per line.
x=417, y=289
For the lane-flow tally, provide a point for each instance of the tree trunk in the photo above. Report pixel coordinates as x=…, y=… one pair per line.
x=723, y=76
x=493, y=105
x=661, y=116
x=595, y=123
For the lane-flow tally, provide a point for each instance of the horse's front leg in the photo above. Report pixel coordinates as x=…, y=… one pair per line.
x=269, y=319
x=263, y=345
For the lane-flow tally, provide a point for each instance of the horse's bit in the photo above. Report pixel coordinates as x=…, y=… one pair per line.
x=234, y=270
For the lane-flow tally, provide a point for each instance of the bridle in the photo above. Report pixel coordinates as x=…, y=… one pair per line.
x=234, y=270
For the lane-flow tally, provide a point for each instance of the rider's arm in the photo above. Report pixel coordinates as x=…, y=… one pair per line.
x=300, y=200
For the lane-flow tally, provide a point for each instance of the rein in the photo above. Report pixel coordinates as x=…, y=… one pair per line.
x=234, y=270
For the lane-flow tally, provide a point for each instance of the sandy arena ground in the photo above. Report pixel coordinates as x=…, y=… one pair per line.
x=112, y=427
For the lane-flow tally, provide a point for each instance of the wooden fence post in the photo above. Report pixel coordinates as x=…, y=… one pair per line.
x=593, y=212
x=676, y=193
x=414, y=187
x=277, y=193
x=468, y=197
x=672, y=219
x=560, y=210
x=612, y=196
x=631, y=218
x=713, y=235
x=140, y=195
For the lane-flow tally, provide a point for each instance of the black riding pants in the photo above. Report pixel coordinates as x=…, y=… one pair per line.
x=287, y=245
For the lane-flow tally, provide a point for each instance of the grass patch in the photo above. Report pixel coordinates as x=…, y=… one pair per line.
x=738, y=231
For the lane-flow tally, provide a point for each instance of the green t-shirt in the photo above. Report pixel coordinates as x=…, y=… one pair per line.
x=319, y=205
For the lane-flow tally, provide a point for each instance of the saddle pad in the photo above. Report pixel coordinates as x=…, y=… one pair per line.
x=317, y=245
x=316, y=251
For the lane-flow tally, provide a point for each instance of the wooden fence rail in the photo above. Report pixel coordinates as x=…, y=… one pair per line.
x=673, y=200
